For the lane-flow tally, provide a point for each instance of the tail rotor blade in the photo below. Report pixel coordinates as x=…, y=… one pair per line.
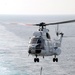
x=57, y=30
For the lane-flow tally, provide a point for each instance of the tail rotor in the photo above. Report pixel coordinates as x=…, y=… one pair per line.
x=57, y=30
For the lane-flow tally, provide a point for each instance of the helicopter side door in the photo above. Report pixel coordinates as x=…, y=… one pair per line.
x=48, y=47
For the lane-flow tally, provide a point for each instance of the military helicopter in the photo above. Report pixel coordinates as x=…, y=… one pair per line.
x=41, y=44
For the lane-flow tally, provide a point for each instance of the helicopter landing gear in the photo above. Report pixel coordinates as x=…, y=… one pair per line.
x=55, y=59
x=36, y=59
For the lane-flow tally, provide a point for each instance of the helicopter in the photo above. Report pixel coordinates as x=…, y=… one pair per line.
x=40, y=43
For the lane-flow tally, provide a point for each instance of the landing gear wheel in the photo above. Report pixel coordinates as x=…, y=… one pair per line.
x=55, y=59
x=36, y=59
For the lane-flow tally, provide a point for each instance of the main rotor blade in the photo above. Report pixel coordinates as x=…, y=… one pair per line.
x=69, y=21
x=69, y=36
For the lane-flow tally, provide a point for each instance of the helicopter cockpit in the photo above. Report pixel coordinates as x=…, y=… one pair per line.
x=33, y=40
x=38, y=41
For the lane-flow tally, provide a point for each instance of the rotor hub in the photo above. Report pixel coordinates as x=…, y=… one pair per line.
x=42, y=26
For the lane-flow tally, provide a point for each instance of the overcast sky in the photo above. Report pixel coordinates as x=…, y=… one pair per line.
x=37, y=7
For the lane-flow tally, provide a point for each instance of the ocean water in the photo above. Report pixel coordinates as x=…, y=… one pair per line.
x=14, y=59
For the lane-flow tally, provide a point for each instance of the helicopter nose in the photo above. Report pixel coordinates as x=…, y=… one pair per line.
x=37, y=51
x=29, y=51
x=33, y=50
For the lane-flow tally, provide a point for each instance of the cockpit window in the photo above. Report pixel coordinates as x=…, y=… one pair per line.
x=39, y=41
x=33, y=40
x=47, y=35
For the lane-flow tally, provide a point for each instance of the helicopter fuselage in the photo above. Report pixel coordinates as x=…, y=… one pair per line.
x=41, y=44
x=48, y=49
